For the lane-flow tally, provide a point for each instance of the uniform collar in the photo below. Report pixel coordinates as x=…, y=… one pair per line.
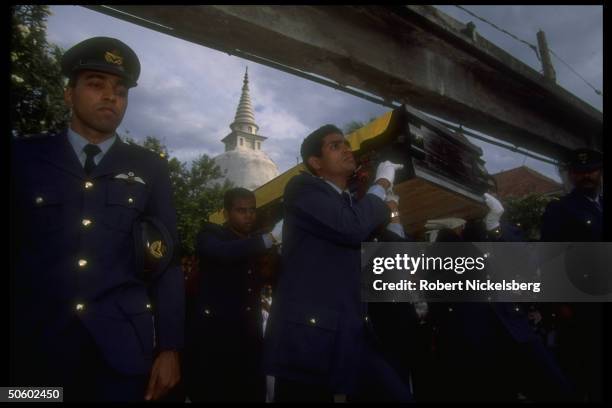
x=234, y=234
x=335, y=187
x=595, y=204
x=596, y=200
x=78, y=142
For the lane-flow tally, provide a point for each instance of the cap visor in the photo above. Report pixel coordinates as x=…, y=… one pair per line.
x=109, y=70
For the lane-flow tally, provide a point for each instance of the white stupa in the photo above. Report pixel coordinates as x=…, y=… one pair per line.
x=243, y=162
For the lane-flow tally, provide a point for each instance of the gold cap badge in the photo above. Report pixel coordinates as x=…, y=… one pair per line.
x=157, y=249
x=113, y=57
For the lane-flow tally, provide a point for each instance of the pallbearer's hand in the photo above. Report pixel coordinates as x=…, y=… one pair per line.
x=496, y=209
x=165, y=374
x=386, y=171
x=277, y=232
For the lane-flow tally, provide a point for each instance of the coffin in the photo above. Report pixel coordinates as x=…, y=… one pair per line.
x=443, y=175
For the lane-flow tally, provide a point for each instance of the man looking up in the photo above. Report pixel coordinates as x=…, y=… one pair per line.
x=318, y=340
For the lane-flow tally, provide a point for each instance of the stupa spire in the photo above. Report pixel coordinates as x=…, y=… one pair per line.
x=245, y=117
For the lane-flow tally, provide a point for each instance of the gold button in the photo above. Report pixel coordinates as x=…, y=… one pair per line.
x=80, y=307
x=88, y=185
x=86, y=222
x=39, y=200
x=148, y=305
x=82, y=263
x=131, y=200
x=313, y=320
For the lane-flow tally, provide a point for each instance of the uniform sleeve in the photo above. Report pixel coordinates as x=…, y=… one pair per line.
x=320, y=212
x=210, y=246
x=389, y=235
x=168, y=291
x=378, y=191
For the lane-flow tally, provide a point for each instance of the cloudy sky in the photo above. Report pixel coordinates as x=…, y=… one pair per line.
x=188, y=94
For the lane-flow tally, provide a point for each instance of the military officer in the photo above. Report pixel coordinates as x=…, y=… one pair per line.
x=578, y=217
x=84, y=316
x=223, y=355
x=317, y=342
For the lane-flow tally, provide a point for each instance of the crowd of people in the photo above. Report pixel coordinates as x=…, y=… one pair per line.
x=94, y=315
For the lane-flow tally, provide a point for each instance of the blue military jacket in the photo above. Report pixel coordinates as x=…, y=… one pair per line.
x=573, y=218
x=229, y=290
x=75, y=252
x=316, y=329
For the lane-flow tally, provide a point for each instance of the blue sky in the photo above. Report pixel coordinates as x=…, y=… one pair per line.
x=188, y=94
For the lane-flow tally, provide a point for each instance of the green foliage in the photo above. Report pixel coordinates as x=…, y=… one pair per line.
x=196, y=197
x=527, y=212
x=154, y=144
x=37, y=85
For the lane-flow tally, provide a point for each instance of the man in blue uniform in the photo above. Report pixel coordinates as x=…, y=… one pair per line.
x=492, y=340
x=85, y=317
x=223, y=355
x=318, y=344
x=578, y=217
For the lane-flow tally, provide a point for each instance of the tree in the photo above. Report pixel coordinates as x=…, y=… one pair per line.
x=196, y=195
x=37, y=85
x=527, y=213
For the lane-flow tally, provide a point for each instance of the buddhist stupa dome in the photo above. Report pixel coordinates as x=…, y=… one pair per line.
x=243, y=162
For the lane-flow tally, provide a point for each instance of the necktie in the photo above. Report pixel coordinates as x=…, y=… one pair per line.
x=347, y=198
x=91, y=151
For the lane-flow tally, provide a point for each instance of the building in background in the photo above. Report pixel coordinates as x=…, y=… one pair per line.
x=522, y=181
x=244, y=162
